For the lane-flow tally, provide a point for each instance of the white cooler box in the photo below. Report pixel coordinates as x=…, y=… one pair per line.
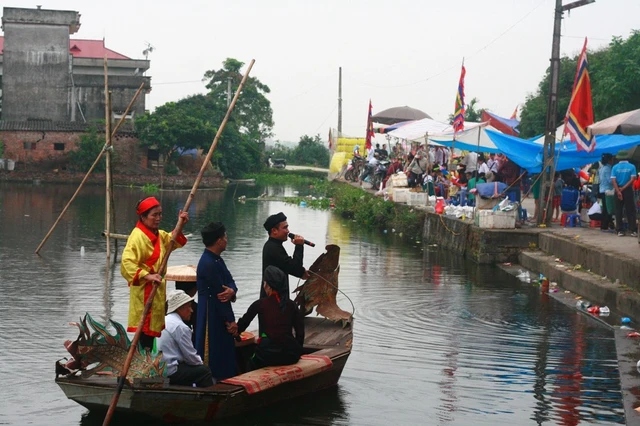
x=399, y=180
x=400, y=195
x=417, y=198
x=496, y=220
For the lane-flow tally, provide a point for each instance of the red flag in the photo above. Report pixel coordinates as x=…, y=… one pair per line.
x=369, y=128
x=580, y=111
x=514, y=116
x=458, y=115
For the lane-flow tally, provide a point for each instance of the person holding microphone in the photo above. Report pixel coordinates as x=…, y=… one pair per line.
x=274, y=254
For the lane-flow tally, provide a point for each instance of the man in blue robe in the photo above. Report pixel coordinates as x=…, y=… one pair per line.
x=216, y=291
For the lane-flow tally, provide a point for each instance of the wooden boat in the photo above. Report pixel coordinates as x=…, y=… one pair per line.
x=327, y=344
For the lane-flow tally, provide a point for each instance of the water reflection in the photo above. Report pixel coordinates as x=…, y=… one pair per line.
x=436, y=337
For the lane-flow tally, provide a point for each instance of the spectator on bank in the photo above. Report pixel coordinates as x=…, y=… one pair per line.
x=606, y=191
x=622, y=176
x=558, y=184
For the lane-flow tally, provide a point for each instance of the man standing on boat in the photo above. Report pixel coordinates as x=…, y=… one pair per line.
x=273, y=253
x=184, y=366
x=216, y=291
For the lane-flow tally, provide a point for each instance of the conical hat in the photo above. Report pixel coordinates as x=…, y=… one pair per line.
x=181, y=273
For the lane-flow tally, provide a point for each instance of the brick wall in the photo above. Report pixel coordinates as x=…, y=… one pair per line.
x=49, y=150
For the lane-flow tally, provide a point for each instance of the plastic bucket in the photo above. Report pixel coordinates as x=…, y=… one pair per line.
x=11, y=165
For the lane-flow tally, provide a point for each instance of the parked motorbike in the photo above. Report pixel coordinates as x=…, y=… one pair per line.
x=279, y=163
x=380, y=173
x=354, y=169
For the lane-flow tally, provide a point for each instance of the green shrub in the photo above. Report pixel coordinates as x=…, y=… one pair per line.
x=1, y=148
x=150, y=188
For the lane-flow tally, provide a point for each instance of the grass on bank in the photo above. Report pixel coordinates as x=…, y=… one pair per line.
x=350, y=202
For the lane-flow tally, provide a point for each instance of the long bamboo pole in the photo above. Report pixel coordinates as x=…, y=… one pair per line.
x=107, y=136
x=165, y=259
x=93, y=166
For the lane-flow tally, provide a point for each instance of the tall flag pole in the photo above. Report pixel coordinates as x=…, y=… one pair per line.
x=580, y=111
x=369, y=128
x=458, y=115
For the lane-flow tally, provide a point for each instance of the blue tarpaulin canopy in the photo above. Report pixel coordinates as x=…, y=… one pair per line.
x=528, y=154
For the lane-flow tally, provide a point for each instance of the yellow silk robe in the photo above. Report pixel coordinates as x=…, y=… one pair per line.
x=142, y=256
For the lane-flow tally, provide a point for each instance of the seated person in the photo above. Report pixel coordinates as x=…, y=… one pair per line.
x=595, y=212
x=278, y=315
x=184, y=366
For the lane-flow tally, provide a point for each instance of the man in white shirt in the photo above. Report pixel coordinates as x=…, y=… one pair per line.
x=471, y=161
x=483, y=169
x=184, y=366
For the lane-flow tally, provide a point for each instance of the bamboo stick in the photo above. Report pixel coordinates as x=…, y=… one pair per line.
x=107, y=136
x=163, y=265
x=93, y=166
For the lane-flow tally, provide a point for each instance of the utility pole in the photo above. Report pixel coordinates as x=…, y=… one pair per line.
x=340, y=102
x=549, y=149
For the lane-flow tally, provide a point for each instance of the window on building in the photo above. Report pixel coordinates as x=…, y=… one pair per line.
x=153, y=155
x=29, y=145
x=59, y=146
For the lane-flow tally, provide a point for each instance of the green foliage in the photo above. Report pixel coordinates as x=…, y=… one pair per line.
x=311, y=151
x=87, y=151
x=253, y=113
x=471, y=113
x=614, y=72
x=150, y=188
x=191, y=123
x=171, y=169
x=1, y=148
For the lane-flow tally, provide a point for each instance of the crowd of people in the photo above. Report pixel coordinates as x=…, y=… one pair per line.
x=606, y=190
x=443, y=174
x=184, y=341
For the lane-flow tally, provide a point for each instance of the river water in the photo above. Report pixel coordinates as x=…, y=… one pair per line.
x=437, y=340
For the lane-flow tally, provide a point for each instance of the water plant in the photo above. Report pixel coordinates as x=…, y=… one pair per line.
x=150, y=188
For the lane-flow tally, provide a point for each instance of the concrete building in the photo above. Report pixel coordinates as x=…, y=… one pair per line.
x=52, y=88
x=45, y=75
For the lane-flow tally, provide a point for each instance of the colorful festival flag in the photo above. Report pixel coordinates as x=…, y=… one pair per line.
x=580, y=111
x=514, y=116
x=458, y=115
x=369, y=128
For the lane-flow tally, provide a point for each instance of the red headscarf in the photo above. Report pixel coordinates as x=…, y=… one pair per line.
x=146, y=204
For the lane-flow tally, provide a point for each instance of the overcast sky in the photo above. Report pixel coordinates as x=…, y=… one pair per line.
x=401, y=52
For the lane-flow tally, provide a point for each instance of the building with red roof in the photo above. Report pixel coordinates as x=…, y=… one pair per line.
x=52, y=86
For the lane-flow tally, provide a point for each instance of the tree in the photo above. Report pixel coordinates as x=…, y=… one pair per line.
x=471, y=114
x=614, y=72
x=192, y=123
x=253, y=110
x=89, y=147
x=311, y=151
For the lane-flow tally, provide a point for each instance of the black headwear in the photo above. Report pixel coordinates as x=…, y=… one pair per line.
x=273, y=221
x=212, y=232
x=277, y=280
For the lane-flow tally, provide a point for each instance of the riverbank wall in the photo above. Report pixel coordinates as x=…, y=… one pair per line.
x=213, y=180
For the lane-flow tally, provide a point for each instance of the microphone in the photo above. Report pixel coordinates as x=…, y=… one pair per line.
x=309, y=243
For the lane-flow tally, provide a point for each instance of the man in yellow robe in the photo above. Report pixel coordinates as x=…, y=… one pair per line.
x=146, y=247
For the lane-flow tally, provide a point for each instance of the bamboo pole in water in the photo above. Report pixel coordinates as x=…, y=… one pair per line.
x=165, y=259
x=107, y=144
x=93, y=166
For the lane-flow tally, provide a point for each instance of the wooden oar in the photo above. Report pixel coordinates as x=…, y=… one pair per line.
x=163, y=264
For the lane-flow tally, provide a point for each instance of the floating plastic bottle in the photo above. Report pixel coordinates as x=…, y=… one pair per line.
x=81, y=251
x=604, y=311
